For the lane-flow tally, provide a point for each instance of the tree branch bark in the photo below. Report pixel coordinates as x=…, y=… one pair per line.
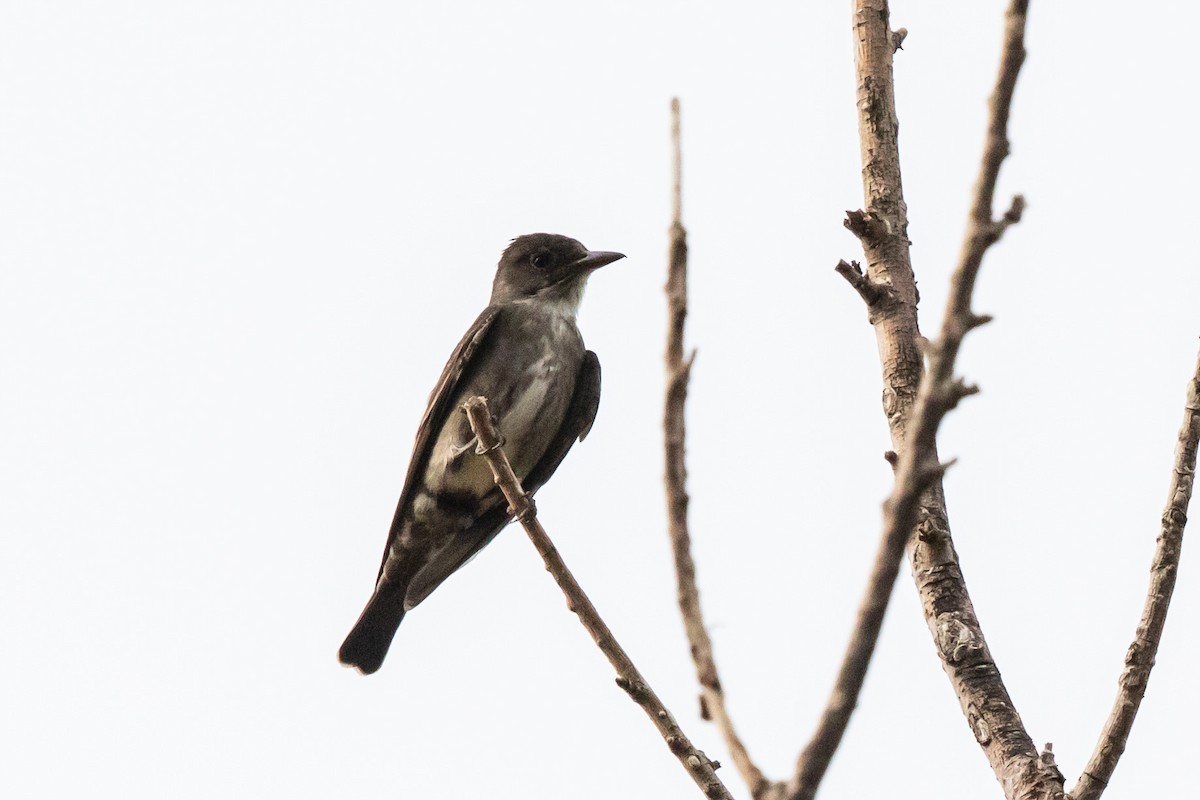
x=712, y=696
x=915, y=405
x=698, y=765
x=1139, y=659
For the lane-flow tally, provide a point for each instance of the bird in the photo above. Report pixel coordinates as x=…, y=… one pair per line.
x=525, y=354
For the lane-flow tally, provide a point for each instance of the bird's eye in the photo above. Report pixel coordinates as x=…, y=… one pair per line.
x=540, y=260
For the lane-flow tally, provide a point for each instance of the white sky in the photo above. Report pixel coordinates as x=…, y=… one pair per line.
x=240, y=239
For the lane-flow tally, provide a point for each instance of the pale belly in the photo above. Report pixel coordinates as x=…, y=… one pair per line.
x=530, y=402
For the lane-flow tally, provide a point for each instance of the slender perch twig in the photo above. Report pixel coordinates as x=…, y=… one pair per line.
x=915, y=405
x=712, y=696
x=702, y=770
x=1140, y=657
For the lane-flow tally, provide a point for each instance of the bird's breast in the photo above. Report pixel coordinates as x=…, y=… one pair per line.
x=535, y=411
x=529, y=380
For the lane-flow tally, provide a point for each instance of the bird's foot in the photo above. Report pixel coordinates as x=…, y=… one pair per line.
x=457, y=452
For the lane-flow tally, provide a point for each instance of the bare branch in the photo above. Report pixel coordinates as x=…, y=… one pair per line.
x=816, y=756
x=983, y=231
x=698, y=765
x=712, y=696
x=882, y=227
x=867, y=226
x=890, y=293
x=1139, y=659
x=948, y=609
x=852, y=272
x=915, y=405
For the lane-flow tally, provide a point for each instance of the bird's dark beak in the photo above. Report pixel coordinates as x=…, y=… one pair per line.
x=595, y=259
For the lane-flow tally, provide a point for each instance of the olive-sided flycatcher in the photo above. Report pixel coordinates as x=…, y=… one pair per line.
x=525, y=355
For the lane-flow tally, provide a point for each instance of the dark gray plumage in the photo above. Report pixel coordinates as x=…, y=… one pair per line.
x=525, y=355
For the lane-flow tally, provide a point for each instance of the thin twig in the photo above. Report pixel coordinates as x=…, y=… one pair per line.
x=889, y=291
x=915, y=404
x=1140, y=657
x=698, y=765
x=712, y=696
x=900, y=515
x=676, y=165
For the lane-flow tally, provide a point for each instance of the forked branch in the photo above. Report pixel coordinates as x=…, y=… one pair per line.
x=916, y=403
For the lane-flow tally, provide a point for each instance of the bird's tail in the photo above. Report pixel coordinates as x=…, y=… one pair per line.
x=369, y=640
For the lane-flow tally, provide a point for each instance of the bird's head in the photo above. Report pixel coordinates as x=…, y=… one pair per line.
x=546, y=265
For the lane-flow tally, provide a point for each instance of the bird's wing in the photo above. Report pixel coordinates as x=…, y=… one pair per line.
x=435, y=414
x=463, y=547
x=576, y=424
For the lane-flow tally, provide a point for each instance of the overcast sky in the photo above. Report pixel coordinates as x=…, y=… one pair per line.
x=238, y=241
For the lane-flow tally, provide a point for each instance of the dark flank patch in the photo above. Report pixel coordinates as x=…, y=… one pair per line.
x=457, y=504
